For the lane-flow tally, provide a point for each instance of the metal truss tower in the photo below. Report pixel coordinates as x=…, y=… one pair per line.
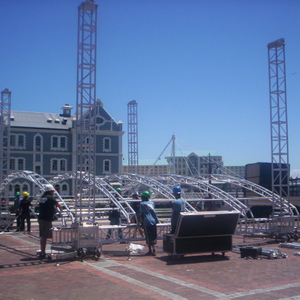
x=133, y=155
x=85, y=110
x=5, y=113
x=278, y=116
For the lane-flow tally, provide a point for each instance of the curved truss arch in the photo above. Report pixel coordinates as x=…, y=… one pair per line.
x=126, y=211
x=264, y=192
x=39, y=181
x=205, y=187
x=154, y=185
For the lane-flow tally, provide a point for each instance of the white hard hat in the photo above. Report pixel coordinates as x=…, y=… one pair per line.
x=49, y=188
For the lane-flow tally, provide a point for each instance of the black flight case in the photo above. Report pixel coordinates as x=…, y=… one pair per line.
x=202, y=232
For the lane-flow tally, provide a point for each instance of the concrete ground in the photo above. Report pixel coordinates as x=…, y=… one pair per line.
x=24, y=276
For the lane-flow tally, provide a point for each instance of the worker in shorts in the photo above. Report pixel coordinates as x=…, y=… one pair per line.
x=178, y=206
x=47, y=205
x=149, y=221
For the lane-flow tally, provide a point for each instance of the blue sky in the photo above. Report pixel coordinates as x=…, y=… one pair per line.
x=198, y=69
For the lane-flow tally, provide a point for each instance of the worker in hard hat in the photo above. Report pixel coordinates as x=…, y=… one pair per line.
x=47, y=205
x=25, y=205
x=178, y=206
x=17, y=210
x=149, y=221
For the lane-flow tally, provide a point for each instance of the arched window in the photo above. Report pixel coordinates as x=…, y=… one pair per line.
x=38, y=143
x=57, y=188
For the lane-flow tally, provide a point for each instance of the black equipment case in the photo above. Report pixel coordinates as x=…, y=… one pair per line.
x=200, y=232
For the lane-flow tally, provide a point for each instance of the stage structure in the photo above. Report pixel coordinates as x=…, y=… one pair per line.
x=86, y=110
x=279, y=120
x=133, y=153
x=5, y=113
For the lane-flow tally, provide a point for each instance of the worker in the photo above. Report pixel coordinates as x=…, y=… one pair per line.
x=178, y=205
x=135, y=219
x=25, y=205
x=47, y=209
x=17, y=210
x=149, y=221
x=115, y=215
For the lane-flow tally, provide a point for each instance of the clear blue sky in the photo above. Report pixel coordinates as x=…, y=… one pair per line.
x=197, y=68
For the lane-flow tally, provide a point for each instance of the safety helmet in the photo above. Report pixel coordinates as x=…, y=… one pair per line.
x=146, y=194
x=119, y=190
x=176, y=190
x=18, y=194
x=49, y=188
x=25, y=194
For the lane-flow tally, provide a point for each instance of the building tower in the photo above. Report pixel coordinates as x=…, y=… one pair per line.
x=5, y=112
x=133, y=155
x=278, y=116
x=85, y=106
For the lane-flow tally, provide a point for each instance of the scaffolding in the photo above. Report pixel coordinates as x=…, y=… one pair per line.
x=133, y=155
x=5, y=113
x=86, y=111
x=279, y=121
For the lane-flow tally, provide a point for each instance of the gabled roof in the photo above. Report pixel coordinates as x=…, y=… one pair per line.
x=28, y=119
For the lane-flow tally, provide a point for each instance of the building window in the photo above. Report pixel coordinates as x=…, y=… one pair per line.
x=21, y=141
x=106, y=166
x=17, y=164
x=17, y=141
x=38, y=169
x=55, y=142
x=54, y=163
x=63, y=165
x=57, y=188
x=17, y=188
x=13, y=140
x=58, y=165
x=63, y=142
x=38, y=142
x=106, y=145
x=99, y=120
x=58, y=143
x=12, y=164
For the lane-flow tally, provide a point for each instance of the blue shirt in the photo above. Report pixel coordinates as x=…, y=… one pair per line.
x=178, y=206
x=17, y=203
x=149, y=215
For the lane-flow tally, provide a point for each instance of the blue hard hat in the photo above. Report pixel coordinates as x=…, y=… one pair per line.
x=176, y=190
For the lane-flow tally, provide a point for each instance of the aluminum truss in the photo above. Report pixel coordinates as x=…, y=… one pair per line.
x=133, y=155
x=40, y=182
x=86, y=108
x=203, y=186
x=278, y=114
x=131, y=182
x=288, y=208
x=100, y=186
x=5, y=114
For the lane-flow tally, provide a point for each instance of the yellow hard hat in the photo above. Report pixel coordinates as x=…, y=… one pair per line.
x=25, y=194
